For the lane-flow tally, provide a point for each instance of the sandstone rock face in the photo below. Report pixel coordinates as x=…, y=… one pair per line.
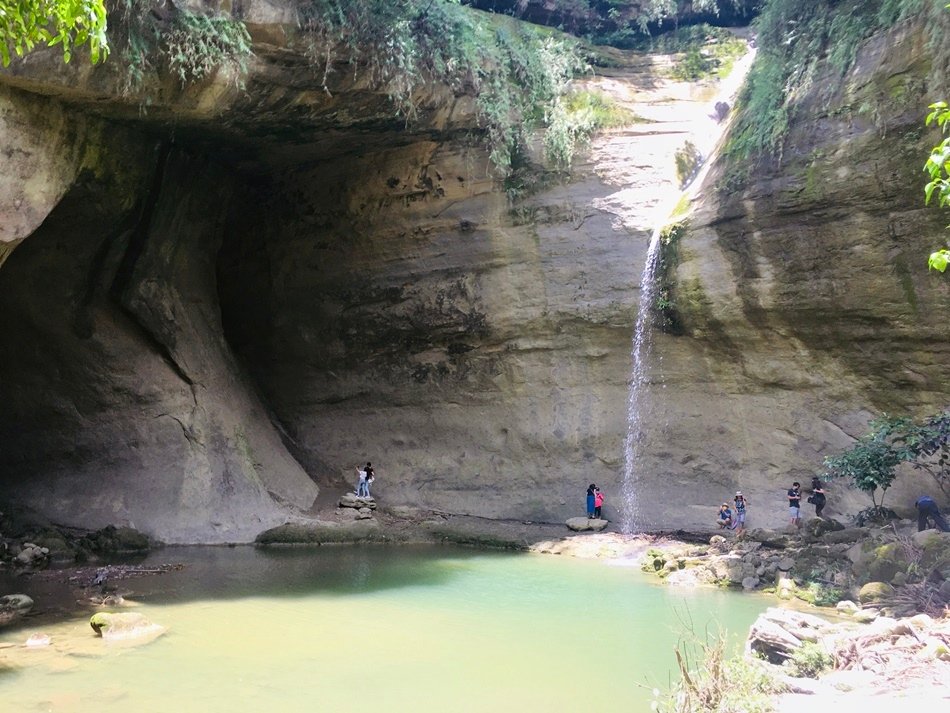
x=127, y=405
x=193, y=336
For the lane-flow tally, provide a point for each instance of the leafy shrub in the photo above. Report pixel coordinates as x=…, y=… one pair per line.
x=67, y=23
x=870, y=464
x=809, y=660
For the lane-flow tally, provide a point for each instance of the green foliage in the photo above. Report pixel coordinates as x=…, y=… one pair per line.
x=711, y=682
x=871, y=461
x=197, y=45
x=819, y=594
x=693, y=66
x=664, y=306
x=809, y=660
x=24, y=24
x=687, y=159
x=518, y=74
x=190, y=45
x=939, y=260
x=926, y=445
x=794, y=37
x=938, y=164
x=599, y=111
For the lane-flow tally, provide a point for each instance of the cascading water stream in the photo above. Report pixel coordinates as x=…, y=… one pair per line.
x=632, y=518
x=640, y=351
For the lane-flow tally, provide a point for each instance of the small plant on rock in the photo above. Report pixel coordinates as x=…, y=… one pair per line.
x=809, y=661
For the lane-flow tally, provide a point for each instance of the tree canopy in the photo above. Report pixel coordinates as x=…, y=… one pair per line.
x=24, y=24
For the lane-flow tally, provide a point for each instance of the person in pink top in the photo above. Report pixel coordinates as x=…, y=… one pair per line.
x=598, y=502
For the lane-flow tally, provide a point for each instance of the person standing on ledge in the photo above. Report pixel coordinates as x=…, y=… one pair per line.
x=740, y=502
x=370, y=477
x=927, y=508
x=795, y=504
x=817, y=496
x=591, y=497
x=598, y=503
x=361, y=482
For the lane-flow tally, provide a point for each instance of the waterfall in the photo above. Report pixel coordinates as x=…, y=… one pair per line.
x=639, y=354
x=707, y=133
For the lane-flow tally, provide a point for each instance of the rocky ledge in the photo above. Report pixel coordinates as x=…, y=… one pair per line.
x=808, y=655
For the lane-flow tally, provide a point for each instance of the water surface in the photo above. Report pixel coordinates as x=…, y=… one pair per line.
x=374, y=629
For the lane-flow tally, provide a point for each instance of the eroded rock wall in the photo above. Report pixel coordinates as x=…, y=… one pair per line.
x=122, y=403
x=804, y=294
x=194, y=333
x=396, y=309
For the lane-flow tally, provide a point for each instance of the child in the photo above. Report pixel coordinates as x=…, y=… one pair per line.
x=598, y=503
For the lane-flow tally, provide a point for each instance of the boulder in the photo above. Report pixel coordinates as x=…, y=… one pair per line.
x=350, y=500
x=785, y=564
x=846, y=535
x=922, y=537
x=13, y=606
x=31, y=555
x=769, y=639
x=875, y=592
x=750, y=582
x=768, y=538
x=846, y=607
x=16, y=602
x=729, y=568
x=819, y=526
x=691, y=577
x=584, y=524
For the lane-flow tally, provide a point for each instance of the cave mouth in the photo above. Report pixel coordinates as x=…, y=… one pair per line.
x=124, y=402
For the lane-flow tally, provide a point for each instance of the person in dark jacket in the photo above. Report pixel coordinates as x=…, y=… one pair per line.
x=927, y=510
x=817, y=498
x=591, y=495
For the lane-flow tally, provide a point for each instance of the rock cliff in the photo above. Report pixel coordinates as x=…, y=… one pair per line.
x=224, y=303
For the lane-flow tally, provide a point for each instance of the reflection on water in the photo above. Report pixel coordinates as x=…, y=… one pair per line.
x=373, y=629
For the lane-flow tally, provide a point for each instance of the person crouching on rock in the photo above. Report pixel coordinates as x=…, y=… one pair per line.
x=927, y=509
x=598, y=503
x=591, y=497
x=725, y=517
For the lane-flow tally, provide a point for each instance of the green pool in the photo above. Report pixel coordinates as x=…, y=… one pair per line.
x=372, y=629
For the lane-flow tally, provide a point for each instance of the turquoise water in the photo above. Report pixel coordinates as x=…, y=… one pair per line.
x=373, y=629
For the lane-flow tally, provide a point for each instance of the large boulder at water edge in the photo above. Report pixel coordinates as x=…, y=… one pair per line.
x=13, y=606
x=586, y=524
x=128, y=625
